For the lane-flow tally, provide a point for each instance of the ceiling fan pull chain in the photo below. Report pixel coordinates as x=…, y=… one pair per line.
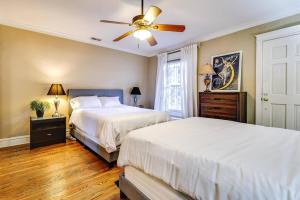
x=142, y=7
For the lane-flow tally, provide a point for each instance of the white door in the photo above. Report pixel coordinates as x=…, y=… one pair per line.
x=281, y=83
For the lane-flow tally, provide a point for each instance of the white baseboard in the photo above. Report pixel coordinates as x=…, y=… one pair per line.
x=13, y=141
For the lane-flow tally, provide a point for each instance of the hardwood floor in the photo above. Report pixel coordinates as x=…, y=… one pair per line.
x=62, y=171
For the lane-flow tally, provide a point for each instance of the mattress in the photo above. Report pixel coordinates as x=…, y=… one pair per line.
x=152, y=187
x=109, y=126
x=217, y=159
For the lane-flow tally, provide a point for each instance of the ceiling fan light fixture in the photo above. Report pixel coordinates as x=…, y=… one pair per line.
x=143, y=23
x=142, y=34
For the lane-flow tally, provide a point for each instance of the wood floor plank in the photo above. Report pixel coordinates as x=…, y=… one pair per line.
x=62, y=171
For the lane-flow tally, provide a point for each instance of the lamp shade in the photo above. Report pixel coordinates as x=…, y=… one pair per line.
x=206, y=69
x=135, y=91
x=56, y=89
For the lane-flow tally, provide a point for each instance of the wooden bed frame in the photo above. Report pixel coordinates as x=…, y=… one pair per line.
x=111, y=158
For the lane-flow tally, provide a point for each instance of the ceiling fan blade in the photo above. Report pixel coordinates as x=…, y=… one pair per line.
x=152, y=41
x=124, y=35
x=169, y=27
x=114, y=22
x=152, y=13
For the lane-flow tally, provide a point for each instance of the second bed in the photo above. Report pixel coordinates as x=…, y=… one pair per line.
x=103, y=128
x=211, y=159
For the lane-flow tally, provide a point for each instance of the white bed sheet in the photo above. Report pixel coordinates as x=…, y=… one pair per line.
x=108, y=126
x=152, y=187
x=216, y=159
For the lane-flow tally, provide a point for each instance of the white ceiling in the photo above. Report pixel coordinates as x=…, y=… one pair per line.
x=204, y=19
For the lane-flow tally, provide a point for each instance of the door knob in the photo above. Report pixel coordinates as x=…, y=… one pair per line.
x=264, y=99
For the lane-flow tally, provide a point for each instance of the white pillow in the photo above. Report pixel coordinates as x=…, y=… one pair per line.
x=85, y=102
x=109, y=102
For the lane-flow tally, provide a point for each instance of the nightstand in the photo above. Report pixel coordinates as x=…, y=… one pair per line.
x=47, y=131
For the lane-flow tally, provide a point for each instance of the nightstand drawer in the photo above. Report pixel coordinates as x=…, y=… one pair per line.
x=48, y=135
x=39, y=126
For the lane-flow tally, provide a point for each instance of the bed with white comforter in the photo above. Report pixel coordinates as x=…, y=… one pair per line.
x=213, y=159
x=108, y=126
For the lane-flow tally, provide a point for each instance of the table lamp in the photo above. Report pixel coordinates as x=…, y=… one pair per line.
x=135, y=91
x=56, y=89
x=207, y=70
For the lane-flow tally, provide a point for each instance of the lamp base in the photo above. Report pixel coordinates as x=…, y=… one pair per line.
x=135, y=100
x=56, y=104
x=56, y=114
x=207, y=82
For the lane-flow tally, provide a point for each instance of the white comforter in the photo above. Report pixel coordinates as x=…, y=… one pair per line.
x=216, y=159
x=108, y=126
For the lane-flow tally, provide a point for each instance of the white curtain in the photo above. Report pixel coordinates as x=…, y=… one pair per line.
x=160, y=102
x=189, y=59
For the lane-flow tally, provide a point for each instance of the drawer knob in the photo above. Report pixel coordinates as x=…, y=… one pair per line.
x=49, y=134
x=214, y=108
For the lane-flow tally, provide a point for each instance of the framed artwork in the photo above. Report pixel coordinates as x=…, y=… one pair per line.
x=228, y=69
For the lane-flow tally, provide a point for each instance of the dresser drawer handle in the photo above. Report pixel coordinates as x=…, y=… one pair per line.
x=49, y=134
x=214, y=108
x=218, y=99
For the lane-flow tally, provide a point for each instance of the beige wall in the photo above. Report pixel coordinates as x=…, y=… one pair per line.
x=30, y=62
x=243, y=40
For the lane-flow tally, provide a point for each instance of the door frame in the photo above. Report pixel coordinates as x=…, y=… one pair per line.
x=260, y=39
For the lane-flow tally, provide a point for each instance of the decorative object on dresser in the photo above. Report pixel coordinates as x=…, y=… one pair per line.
x=47, y=131
x=135, y=92
x=39, y=107
x=228, y=69
x=207, y=70
x=224, y=105
x=56, y=89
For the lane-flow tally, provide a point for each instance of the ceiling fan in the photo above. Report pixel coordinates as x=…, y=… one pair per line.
x=143, y=23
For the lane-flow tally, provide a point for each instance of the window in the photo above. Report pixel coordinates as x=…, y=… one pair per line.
x=176, y=82
x=173, y=88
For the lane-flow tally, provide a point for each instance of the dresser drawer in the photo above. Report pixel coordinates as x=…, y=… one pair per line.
x=220, y=116
x=230, y=99
x=215, y=108
x=220, y=112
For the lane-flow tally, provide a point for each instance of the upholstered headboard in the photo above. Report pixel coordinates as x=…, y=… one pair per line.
x=72, y=93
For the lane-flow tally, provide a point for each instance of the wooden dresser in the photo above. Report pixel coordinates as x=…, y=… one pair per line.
x=224, y=105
